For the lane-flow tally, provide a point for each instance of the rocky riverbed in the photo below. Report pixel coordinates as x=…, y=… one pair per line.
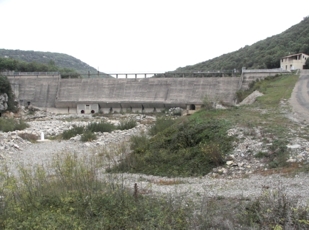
x=243, y=175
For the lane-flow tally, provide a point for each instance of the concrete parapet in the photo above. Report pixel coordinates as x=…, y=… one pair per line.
x=258, y=74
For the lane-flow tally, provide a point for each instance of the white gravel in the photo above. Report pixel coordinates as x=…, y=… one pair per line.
x=252, y=186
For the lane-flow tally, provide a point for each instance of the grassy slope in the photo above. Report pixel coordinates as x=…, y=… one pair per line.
x=192, y=146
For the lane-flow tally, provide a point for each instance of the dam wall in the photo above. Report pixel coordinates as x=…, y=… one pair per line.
x=85, y=95
x=40, y=91
x=145, y=93
x=117, y=94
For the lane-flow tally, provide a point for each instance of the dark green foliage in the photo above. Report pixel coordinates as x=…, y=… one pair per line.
x=127, y=124
x=278, y=154
x=88, y=136
x=5, y=87
x=30, y=61
x=161, y=124
x=101, y=126
x=260, y=55
x=67, y=134
x=8, y=64
x=8, y=125
x=188, y=148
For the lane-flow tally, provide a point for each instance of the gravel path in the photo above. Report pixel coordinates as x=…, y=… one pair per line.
x=300, y=97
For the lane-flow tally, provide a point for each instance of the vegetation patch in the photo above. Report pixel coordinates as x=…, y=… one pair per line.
x=101, y=126
x=75, y=198
x=125, y=124
x=9, y=124
x=67, y=134
x=189, y=147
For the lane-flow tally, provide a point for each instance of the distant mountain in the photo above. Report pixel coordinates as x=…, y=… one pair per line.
x=263, y=54
x=58, y=59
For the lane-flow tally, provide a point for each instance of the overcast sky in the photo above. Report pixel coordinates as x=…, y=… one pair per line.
x=119, y=36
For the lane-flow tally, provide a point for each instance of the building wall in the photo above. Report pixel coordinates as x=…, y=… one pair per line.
x=293, y=62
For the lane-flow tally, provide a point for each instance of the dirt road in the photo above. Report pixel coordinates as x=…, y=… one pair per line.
x=300, y=97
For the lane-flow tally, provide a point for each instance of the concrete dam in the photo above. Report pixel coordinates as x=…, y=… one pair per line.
x=91, y=95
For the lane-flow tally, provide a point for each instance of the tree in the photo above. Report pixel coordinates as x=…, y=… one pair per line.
x=5, y=87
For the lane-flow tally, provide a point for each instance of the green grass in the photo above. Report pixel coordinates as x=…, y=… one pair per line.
x=73, y=197
x=128, y=123
x=190, y=147
x=101, y=126
x=67, y=134
x=9, y=124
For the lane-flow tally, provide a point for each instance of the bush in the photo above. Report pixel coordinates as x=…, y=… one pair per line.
x=101, y=126
x=67, y=134
x=187, y=148
x=161, y=124
x=5, y=87
x=127, y=124
x=9, y=124
x=88, y=136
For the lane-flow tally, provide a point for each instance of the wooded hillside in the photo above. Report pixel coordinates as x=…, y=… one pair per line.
x=262, y=54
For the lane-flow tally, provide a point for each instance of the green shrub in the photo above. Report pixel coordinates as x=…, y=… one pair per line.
x=67, y=134
x=277, y=155
x=274, y=210
x=9, y=124
x=187, y=148
x=101, y=126
x=5, y=87
x=127, y=124
x=161, y=124
x=74, y=197
x=88, y=136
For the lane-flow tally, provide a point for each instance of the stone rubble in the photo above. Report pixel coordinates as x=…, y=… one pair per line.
x=237, y=178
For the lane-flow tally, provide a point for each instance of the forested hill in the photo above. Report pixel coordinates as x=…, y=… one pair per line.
x=58, y=59
x=263, y=54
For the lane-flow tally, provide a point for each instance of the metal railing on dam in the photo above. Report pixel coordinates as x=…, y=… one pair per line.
x=229, y=73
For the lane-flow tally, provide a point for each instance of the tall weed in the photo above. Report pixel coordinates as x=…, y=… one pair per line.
x=10, y=124
x=73, y=197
